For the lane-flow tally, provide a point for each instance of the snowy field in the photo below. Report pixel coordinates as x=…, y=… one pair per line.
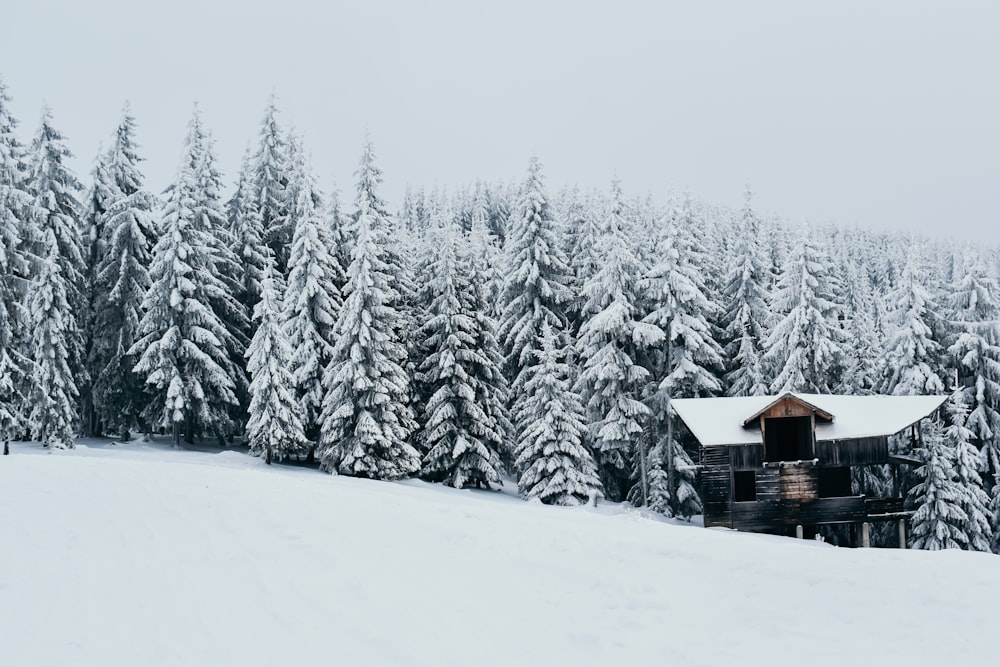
x=140, y=555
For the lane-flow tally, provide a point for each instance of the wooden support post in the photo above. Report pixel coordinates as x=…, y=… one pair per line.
x=902, y=533
x=866, y=536
x=799, y=532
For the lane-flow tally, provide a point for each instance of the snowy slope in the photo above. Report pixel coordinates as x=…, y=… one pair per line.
x=137, y=555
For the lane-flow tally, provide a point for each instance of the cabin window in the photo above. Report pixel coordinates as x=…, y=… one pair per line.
x=834, y=482
x=788, y=439
x=745, y=486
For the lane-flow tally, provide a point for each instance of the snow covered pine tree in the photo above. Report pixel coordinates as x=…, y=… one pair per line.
x=366, y=420
x=274, y=428
x=554, y=462
x=938, y=521
x=121, y=282
x=462, y=440
x=182, y=350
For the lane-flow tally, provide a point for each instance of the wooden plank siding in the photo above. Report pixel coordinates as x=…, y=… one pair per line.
x=746, y=457
x=759, y=515
x=768, y=484
x=716, y=486
x=715, y=456
x=777, y=514
x=798, y=482
x=862, y=451
x=850, y=509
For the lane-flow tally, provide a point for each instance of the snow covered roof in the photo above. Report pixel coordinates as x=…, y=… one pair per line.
x=719, y=421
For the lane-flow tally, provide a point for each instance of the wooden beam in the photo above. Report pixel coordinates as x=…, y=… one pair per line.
x=896, y=459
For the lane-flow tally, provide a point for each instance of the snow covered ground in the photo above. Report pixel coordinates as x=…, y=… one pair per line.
x=140, y=555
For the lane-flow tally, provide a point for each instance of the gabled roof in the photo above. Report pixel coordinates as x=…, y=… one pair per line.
x=719, y=421
x=795, y=397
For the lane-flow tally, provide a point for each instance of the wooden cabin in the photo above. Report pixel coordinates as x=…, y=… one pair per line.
x=780, y=464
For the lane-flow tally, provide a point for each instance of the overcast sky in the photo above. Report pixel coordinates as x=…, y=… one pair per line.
x=881, y=114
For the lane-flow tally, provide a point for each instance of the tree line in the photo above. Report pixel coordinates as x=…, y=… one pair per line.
x=494, y=330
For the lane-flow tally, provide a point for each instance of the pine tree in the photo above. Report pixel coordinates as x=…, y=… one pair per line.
x=53, y=390
x=366, y=420
x=397, y=249
x=341, y=236
x=535, y=291
x=56, y=205
x=182, y=352
x=247, y=229
x=312, y=303
x=209, y=216
x=686, y=366
x=585, y=227
x=555, y=465
x=975, y=300
x=408, y=213
x=274, y=429
x=938, y=520
x=95, y=238
x=487, y=254
x=862, y=362
x=744, y=321
x=804, y=348
x=672, y=479
x=463, y=441
x=611, y=379
x=675, y=300
x=863, y=373
x=975, y=502
x=493, y=397
x=696, y=225
x=268, y=183
x=120, y=284
x=911, y=352
x=57, y=209
x=300, y=178
x=14, y=320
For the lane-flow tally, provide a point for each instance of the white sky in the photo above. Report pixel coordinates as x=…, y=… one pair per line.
x=882, y=114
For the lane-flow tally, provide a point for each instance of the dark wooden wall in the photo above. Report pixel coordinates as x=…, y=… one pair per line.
x=831, y=453
x=773, y=514
x=768, y=484
x=716, y=486
x=849, y=509
x=861, y=451
x=787, y=494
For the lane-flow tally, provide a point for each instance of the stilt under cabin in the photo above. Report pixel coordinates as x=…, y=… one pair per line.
x=783, y=464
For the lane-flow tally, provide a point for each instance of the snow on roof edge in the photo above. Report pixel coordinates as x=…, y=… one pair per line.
x=719, y=421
